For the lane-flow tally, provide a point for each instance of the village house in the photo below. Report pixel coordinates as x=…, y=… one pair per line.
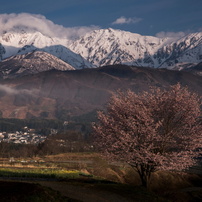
x=19, y=137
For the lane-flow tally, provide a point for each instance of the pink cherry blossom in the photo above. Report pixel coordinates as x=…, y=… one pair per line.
x=156, y=130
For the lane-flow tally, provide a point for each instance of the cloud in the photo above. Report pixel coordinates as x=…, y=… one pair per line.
x=14, y=91
x=171, y=34
x=33, y=22
x=8, y=89
x=75, y=32
x=124, y=20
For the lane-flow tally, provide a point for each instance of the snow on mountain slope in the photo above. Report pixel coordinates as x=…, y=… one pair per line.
x=31, y=63
x=22, y=42
x=108, y=46
x=183, y=52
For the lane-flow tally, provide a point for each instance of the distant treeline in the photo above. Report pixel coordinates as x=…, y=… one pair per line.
x=43, y=126
x=12, y=125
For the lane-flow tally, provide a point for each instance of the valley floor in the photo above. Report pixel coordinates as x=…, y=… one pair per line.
x=86, y=177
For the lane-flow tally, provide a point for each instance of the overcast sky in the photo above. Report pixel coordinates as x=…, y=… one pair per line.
x=146, y=17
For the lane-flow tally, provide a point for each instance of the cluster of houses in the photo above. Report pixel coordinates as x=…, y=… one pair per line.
x=27, y=136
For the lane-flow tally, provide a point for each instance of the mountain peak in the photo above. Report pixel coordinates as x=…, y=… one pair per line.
x=116, y=46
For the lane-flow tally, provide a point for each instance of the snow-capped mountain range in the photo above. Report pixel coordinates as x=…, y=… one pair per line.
x=105, y=47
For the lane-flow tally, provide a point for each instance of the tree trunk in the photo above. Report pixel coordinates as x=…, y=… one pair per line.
x=145, y=174
x=145, y=180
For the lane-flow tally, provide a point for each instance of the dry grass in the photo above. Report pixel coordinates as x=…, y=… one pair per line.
x=72, y=156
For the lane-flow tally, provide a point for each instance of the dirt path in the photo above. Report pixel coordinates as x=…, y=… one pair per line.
x=79, y=190
x=87, y=193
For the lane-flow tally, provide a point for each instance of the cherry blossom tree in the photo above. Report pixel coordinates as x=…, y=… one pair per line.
x=155, y=130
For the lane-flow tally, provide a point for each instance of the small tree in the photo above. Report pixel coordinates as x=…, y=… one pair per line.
x=153, y=130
